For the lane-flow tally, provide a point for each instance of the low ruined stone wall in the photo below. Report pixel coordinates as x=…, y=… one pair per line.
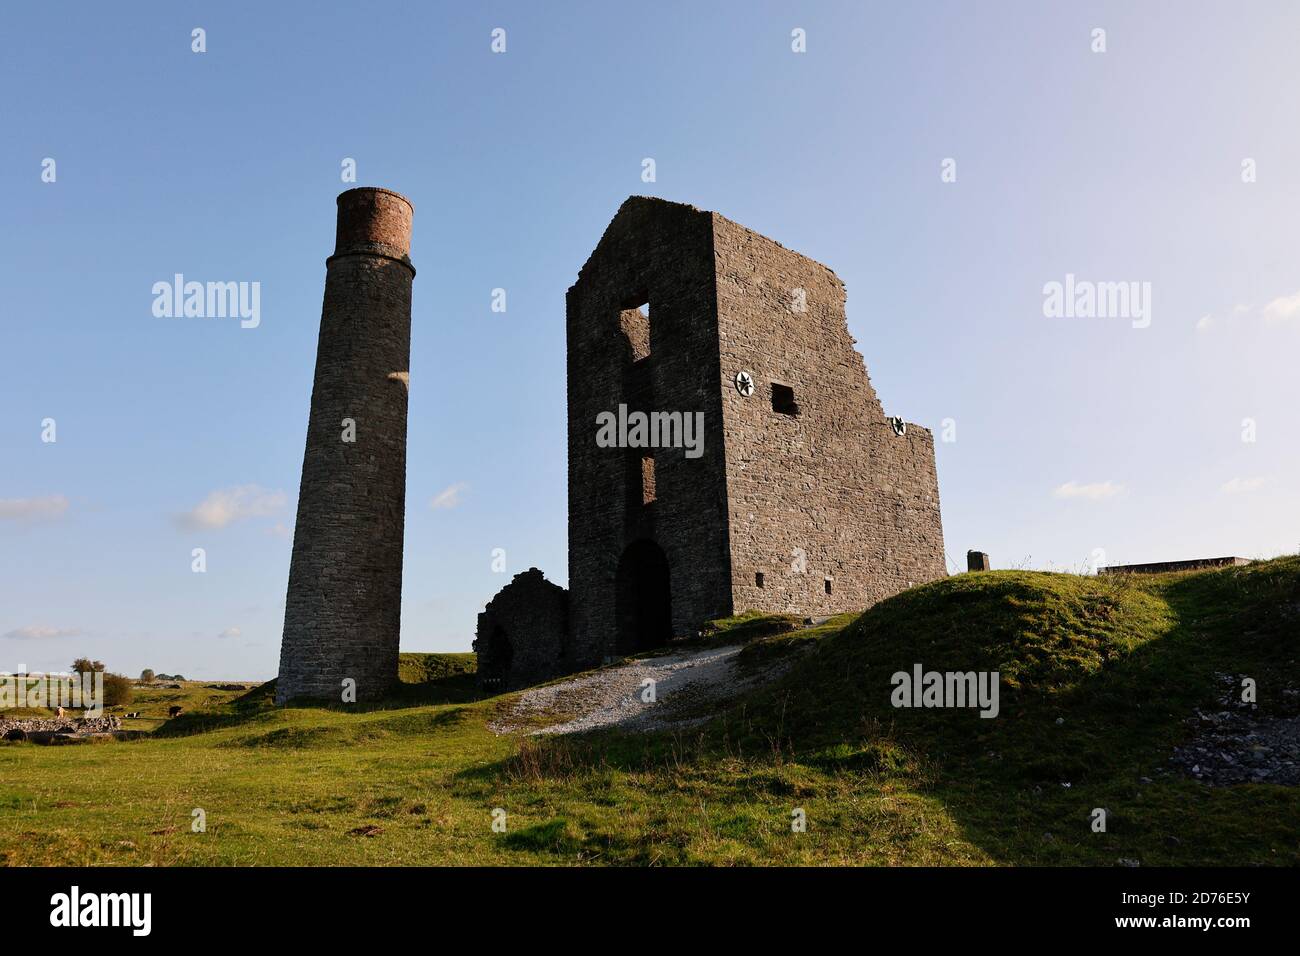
x=56, y=725
x=1162, y=567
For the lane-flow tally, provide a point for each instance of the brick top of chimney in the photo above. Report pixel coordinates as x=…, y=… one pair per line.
x=374, y=221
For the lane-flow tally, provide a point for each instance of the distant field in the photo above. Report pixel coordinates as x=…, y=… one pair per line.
x=1099, y=678
x=153, y=703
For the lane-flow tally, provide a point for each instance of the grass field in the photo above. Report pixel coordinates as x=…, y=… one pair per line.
x=1099, y=677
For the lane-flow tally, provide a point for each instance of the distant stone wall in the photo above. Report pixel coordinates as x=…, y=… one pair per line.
x=1161, y=567
x=20, y=728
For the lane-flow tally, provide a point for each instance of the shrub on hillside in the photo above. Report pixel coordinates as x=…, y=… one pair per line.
x=117, y=690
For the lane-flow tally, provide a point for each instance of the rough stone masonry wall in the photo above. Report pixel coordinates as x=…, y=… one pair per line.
x=659, y=253
x=343, y=608
x=533, y=615
x=834, y=481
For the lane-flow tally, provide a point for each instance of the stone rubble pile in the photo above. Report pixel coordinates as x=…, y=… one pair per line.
x=1239, y=744
x=22, y=728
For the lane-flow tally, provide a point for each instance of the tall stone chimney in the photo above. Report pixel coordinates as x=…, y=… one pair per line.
x=342, y=614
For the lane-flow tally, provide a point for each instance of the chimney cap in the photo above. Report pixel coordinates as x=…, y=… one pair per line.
x=374, y=221
x=373, y=189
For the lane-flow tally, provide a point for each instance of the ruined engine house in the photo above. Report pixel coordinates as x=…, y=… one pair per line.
x=797, y=495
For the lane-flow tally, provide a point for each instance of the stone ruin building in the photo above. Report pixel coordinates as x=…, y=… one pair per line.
x=804, y=497
x=342, y=613
x=793, y=493
x=536, y=644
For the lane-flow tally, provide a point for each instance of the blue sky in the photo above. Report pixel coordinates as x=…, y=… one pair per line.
x=1072, y=434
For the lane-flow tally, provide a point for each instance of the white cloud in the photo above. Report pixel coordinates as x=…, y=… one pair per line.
x=280, y=530
x=449, y=497
x=33, y=509
x=1240, y=486
x=1282, y=309
x=228, y=505
x=39, y=633
x=230, y=632
x=1094, y=492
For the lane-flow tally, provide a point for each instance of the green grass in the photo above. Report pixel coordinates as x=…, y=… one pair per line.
x=1120, y=662
x=748, y=626
x=426, y=668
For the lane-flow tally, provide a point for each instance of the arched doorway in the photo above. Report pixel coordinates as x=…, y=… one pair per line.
x=643, y=603
x=500, y=654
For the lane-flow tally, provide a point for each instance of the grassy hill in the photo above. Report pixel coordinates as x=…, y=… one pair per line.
x=1099, y=675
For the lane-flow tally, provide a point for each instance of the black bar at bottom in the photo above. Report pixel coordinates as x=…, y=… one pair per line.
x=338, y=904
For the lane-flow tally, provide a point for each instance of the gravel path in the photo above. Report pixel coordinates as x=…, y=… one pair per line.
x=615, y=696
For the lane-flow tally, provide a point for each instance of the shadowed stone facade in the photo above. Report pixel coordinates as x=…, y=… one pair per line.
x=806, y=498
x=523, y=633
x=664, y=357
x=343, y=608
